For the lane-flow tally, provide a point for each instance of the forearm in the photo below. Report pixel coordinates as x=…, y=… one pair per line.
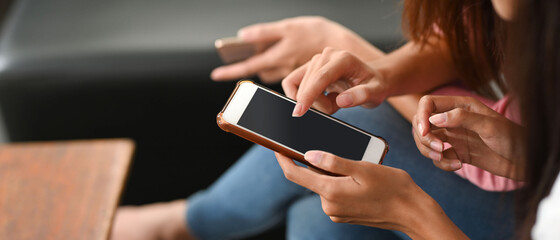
x=417, y=69
x=406, y=105
x=361, y=48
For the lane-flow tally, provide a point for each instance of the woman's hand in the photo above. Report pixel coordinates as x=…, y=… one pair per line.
x=372, y=195
x=456, y=130
x=348, y=80
x=295, y=40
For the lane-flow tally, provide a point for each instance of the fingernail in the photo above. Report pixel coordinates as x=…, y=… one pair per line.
x=436, y=146
x=314, y=157
x=297, y=110
x=435, y=155
x=456, y=165
x=421, y=128
x=344, y=100
x=446, y=146
x=438, y=118
x=244, y=34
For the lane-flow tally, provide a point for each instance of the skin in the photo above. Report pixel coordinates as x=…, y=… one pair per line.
x=384, y=197
x=505, y=8
x=451, y=130
x=295, y=40
x=152, y=221
x=349, y=198
x=456, y=130
x=409, y=69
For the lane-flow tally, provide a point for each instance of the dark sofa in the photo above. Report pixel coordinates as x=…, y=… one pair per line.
x=81, y=69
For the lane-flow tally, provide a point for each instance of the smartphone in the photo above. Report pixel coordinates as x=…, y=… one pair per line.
x=265, y=117
x=233, y=49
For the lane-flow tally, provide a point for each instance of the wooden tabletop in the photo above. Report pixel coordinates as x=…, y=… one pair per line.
x=61, y=190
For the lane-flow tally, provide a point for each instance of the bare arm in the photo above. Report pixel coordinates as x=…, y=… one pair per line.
x=298, y=39
x=410, y=69
x=406, y=105
x=415, y=68
x=372, y=195
x=295, y=40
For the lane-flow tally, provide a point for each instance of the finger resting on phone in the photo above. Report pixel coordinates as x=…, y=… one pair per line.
x=330, y=162
x=300, y=175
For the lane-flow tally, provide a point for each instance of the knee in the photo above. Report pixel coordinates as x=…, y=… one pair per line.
x=306, y=219
x=209, y=217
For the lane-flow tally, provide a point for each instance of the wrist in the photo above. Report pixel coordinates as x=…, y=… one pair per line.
x=383, y=74
x=427, y=220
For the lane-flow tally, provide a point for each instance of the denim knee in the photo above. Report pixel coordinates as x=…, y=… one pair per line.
x=251, y=197
x=207, y=219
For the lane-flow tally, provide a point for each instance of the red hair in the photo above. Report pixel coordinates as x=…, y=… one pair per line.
x=471, y=29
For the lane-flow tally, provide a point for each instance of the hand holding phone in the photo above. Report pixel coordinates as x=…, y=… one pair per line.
x=244, y=59
x=290, y=43
x=233, y=49
x=265, y=117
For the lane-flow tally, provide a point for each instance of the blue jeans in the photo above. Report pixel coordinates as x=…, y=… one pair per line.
x=254, y=196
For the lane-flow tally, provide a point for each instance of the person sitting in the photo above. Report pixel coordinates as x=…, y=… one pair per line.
x=253, y=195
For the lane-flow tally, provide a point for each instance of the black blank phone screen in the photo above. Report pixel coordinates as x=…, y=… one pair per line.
x=271, y=116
